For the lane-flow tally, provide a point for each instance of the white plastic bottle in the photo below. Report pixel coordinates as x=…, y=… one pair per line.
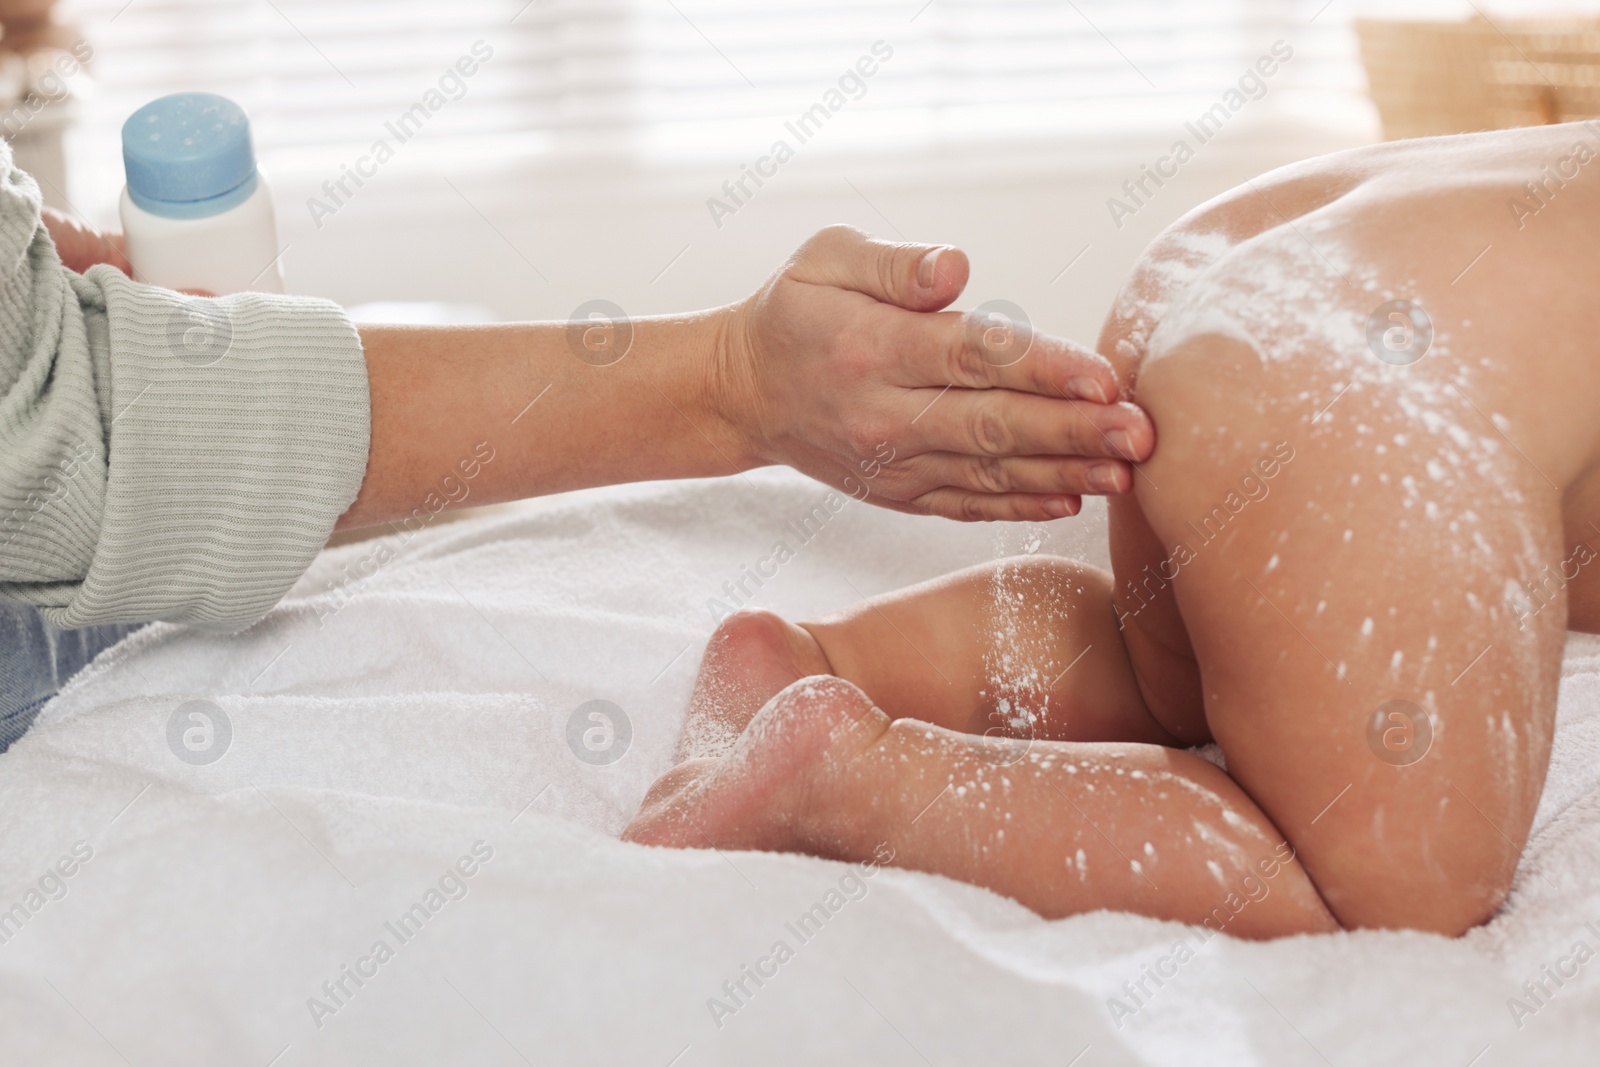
x=196, y=212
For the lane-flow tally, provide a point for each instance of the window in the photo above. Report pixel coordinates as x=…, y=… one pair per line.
x=662, y=80
x=597, y=129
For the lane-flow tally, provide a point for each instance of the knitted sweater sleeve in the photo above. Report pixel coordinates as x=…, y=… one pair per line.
x=162, y=456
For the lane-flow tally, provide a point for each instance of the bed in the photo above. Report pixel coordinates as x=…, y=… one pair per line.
x=405, y=753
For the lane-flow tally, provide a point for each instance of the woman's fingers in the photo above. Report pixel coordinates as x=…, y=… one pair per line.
x=1000, y=423
x=852, y=365
x=1031, y=475
x=963, y=506
x=1014, y=489
x=916, y=277
x=81, y=246
x=986, y=349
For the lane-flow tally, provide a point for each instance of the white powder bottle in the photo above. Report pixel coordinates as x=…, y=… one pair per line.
x=196, y=212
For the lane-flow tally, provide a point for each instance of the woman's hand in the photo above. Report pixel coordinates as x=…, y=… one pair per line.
x=841, y=365
x=81, y=246
x=835, y=367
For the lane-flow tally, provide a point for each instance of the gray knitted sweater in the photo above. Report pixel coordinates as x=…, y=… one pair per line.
x=164, y=457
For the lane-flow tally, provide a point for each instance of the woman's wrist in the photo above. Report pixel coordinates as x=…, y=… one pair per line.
x=732, y=399
x=693, y=371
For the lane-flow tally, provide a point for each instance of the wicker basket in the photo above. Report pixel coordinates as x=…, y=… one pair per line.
x=1432, y=78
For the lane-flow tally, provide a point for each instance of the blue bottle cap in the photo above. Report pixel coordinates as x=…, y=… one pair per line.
x=188, y=155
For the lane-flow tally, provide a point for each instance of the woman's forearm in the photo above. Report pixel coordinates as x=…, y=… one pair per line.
x=842, y=366
x=444, y=397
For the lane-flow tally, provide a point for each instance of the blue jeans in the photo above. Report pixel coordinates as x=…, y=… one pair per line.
x=36, y=659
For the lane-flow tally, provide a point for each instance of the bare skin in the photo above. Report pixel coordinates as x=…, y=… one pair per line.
x=560, y=406
x=725, y=390
x=1321, y=533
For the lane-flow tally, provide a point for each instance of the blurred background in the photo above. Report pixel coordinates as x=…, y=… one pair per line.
x=579, y=159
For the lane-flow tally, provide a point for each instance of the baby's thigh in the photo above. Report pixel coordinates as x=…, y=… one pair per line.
x=1349, y=587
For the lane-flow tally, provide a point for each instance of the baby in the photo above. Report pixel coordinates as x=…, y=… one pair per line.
x=1350, y=564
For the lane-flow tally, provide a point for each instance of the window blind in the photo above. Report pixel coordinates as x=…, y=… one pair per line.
x=620, y=87
x=662, y=79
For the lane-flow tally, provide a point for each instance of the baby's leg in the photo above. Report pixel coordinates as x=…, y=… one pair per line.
x=1365, y=666
x=749, y=659
x=1070, y=827
x=1026, y=647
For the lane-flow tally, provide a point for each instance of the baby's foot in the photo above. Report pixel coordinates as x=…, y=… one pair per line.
x=752, y=656
x=759, y=794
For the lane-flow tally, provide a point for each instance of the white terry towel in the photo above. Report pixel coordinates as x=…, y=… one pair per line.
x=382, y=734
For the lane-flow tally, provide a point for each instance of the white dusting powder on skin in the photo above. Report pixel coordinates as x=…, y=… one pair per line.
x=1238, y=822
x=1017, y=678
x=1182, y=257
x=1283, y=299
x=704, y=736
x=711, y=735
x=1503, y=741
x=1299, y=299
x=1219, y=843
